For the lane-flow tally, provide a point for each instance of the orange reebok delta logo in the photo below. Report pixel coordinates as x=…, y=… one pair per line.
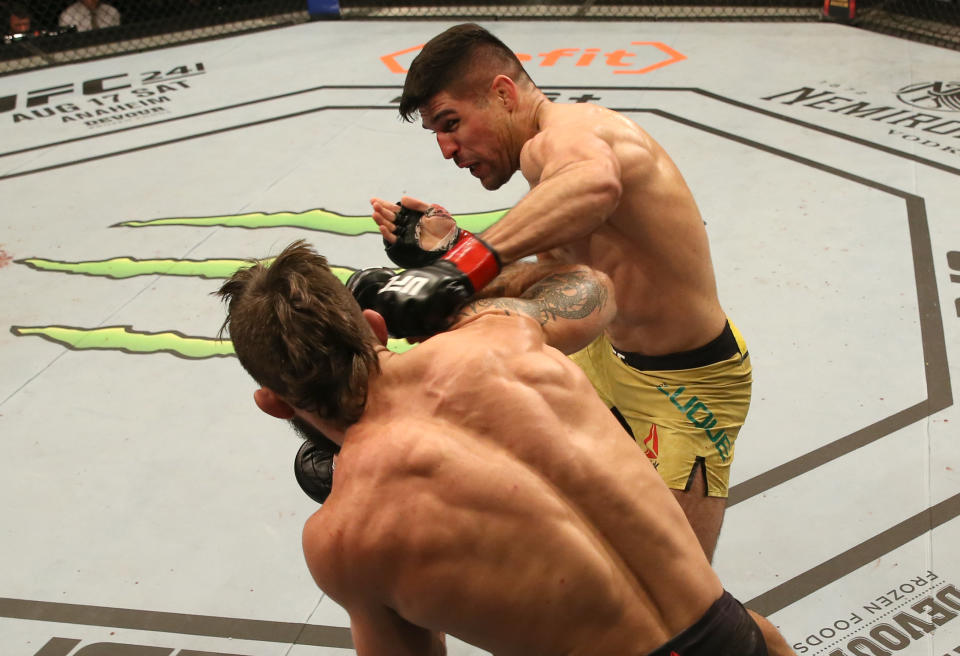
x=645, y=57
x=651, y=443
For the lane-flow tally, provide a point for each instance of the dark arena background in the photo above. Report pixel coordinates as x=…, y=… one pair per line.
x=159, y=23
x=151, y=510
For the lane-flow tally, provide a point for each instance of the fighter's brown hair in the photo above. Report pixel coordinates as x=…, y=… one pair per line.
x=297, y=330
x=461, y=60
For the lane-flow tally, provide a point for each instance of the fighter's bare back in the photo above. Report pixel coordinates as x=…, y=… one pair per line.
x=462, y=499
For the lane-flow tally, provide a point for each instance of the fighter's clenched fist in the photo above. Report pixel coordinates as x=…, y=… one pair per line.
x=447, y=266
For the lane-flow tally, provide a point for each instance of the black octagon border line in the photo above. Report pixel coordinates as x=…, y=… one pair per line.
x=210, y=626
x=767, y=603
x=937, y=374
x=939, y=397
x=703, y=92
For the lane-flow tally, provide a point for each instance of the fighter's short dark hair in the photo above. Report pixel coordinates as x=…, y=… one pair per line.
x=449, y=61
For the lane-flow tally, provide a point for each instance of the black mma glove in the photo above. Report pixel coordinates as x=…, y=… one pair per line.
x=423, y=301
x=365, y=284
x=406, y=251
x=313, y=468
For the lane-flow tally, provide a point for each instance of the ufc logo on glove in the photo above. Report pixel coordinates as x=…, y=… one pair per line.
x=409, y=285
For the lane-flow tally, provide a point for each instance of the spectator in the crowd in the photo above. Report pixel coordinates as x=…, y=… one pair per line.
x=89, y=15
x=20, y=19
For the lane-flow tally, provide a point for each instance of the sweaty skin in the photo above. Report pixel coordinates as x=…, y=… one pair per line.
x=487, y=492
x=652, y=244
x=602, y=193
x=476, y=497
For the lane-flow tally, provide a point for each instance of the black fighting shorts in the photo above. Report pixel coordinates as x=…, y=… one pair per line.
x=724, y=630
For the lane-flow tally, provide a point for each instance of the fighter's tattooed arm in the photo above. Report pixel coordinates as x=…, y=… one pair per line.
x=515, y=278
x=572, y=304
x=569, y=295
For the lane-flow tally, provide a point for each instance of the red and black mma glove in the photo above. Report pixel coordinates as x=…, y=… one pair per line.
x=365, y=284
x=423, y=301
x=406, y=251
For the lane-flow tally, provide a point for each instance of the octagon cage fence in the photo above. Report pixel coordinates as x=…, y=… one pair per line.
x=42, y=33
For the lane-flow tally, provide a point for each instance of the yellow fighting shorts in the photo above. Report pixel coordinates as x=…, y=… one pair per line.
x=683, y=409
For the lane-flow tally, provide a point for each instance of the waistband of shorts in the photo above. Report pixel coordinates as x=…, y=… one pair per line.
x=717, y=350
x=699, y=628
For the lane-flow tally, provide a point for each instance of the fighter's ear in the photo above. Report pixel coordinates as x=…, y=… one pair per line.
x=378, y=324
x=505, y=90
x=268, y=401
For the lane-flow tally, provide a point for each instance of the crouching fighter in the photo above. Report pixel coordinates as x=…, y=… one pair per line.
x=482, y=488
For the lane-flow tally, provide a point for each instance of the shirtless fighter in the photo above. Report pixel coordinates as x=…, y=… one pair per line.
x=473, y=493
x=602, y=193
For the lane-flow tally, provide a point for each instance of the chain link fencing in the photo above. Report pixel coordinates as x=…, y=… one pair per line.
x=41, y=33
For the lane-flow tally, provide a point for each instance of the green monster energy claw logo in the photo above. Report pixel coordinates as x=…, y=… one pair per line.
x=124, y=338
x=129, y=340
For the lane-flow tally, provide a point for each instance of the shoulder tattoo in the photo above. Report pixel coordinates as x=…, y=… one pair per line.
x=569, y=295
